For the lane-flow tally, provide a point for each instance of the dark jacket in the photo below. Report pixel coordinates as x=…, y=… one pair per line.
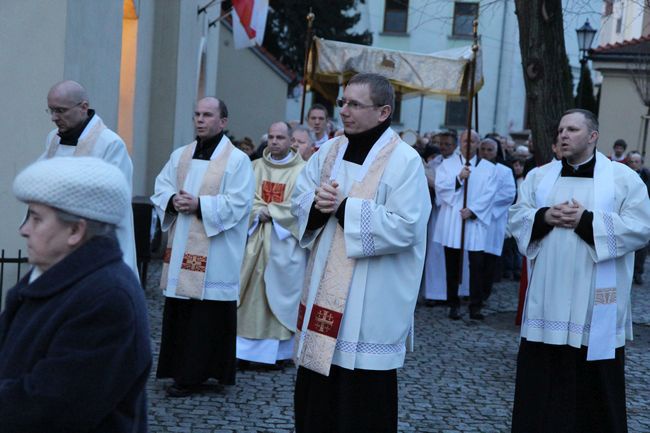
x=74, y=347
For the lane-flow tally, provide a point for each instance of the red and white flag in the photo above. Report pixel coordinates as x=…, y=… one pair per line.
x=249, y=21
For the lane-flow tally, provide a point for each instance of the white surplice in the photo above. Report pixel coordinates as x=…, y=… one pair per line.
x=482, y=188
x=560, y=296
x=224, y=218
x=110, y=148
x=434, y=280
x=387, y=238
x=505, y=195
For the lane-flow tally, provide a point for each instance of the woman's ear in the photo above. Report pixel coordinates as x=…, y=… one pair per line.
x=77, y=233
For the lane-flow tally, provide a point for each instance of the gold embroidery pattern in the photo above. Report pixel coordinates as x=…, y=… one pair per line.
x=195, y=263
x=605, y=296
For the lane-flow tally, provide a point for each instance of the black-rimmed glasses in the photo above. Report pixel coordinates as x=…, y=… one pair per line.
x=354, y=105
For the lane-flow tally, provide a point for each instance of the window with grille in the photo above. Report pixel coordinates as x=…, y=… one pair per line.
x=396, y=16
x=464, y=15
x=456, y=113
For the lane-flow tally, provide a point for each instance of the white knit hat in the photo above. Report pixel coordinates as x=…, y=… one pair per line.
x=84, y=186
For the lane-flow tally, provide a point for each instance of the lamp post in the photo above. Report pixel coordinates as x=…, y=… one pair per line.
x=586, y=35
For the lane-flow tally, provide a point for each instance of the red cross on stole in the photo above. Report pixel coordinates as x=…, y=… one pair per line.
x=273, y=192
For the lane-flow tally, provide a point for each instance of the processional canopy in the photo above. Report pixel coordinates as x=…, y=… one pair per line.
x=332, y=63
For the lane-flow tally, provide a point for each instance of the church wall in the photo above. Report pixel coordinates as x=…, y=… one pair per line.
x=31, y=55
x=620, y=111
x=179, y=36
x=93, y=45
x=255, y=94
x=142, y=96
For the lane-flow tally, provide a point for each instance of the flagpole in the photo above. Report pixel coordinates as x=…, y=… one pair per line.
x=214, y=22
x=468, y=138
x=310, y=20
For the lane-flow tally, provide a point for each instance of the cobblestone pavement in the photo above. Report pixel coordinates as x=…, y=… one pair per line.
x=460, y=378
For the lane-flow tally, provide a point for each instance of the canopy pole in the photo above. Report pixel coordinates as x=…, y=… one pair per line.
x=476, y=109
x=310, y=20
x=468, y=138
x=420, y=116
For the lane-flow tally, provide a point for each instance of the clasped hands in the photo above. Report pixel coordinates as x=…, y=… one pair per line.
x=327, y=198
x=184, y=202
x=264, y=215
x=566, y=215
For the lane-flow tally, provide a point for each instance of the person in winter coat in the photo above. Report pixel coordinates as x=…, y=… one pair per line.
x=74, y=338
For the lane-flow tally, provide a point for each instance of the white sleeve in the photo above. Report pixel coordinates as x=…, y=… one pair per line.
x=628, y=228
x=303, y=197
x=164, y=188
x=521, y=217
x=373, y=229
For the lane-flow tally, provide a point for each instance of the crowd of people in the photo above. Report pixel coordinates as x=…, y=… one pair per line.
x=315, y=246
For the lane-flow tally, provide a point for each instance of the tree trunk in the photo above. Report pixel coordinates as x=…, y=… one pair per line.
x=545, y=65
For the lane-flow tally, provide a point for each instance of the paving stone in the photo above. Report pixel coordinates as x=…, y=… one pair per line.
x=459, y=379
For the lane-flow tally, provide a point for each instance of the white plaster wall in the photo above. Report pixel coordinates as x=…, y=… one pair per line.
x=31, y=55
x=93, y=44
x=162, y=91
x=141, y=99
x=620, y=112
x=632, y=12
x=633, y=20
x=178, y=35
x=212, y=52
x=256, y=96
x=191, y=29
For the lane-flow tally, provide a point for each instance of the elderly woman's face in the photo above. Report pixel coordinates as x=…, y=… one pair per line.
x=48, y=239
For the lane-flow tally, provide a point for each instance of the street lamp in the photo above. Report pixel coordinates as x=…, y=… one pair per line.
x=584, y=94
x=586, y=35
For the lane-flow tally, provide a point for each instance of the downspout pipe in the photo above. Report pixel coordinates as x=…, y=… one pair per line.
x=500, y=67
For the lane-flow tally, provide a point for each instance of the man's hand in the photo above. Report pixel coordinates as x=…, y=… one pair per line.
x=264, y=214
x=466, y=213
x=328, y=199
x=185, y=202
x=553, y=216
x=566, y=215
x=571, y=214
x=464, y=173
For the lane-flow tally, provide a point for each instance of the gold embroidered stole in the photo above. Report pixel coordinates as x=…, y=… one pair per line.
x=191, y=277
x=319, y=339
x=84, y=146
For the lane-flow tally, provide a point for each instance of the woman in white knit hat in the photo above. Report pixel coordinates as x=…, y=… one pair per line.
x=74, y=339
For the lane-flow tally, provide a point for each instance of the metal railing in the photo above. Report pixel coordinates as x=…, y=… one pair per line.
x=18, y=261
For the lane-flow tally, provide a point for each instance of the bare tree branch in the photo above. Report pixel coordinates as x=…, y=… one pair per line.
x=639, y=69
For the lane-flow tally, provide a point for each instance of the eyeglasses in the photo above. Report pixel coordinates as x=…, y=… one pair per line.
x=61, y=110
x=354, y=105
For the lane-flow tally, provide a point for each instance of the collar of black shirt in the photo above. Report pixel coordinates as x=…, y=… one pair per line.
x=583, y=170
x=71, y=138
x=360, y=144
x=205, y=148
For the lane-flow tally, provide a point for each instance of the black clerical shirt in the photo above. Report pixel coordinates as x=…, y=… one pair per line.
x=71, y=138
x=359, y=146
x=585, y=226
x=204, y=150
